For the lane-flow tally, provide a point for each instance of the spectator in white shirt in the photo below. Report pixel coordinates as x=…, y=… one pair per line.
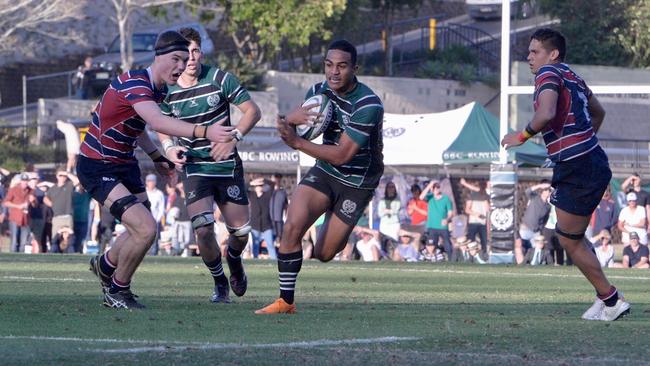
x=604, y=249
x=633, y=219
x=368, y=247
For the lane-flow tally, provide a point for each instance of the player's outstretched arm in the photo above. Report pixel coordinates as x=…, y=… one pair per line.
x=152, y=115
x=543, y=115
x=333, y=154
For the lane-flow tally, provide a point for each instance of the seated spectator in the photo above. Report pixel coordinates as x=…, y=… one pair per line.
x=431, y=253
x=63, y=241
x=475, y=253
x=633, y=219
x=635, y=255
x=539, y=254
x=405, y=250
x=460, y=253
x=368, y=247
x=165, y=244
x=604, y=251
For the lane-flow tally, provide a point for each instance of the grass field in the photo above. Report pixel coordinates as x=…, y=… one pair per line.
x=348, y=314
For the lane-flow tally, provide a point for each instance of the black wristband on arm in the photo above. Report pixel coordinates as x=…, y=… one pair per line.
x=530, y=130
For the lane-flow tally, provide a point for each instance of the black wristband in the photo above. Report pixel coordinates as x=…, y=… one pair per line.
x=194, y=131
x=530, y=130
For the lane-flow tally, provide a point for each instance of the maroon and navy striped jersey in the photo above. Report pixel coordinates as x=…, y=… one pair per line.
x=115, y=126
x=570, y=133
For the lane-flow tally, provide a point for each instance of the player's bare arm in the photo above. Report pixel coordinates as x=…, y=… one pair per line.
x=333, y=154
x=597, y=113
x=151, y=113
x=543, y=115
x=251, y=115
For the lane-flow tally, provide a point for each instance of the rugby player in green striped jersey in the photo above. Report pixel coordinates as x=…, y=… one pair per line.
x=349, y=164
x=212, y=172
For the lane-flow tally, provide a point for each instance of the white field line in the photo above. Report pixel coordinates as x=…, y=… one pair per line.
x=482, y=273
x=183, y=346
x=43, y=279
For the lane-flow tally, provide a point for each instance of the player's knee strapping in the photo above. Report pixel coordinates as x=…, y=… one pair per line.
x=572, y=236
x=202, y=219
x=241, y=231
x=120, y=206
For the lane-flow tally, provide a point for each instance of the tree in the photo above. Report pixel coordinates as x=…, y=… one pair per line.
x=592, y=29
x=635, y=38
x=26, y=24
x=259, y=28
x=123, y=11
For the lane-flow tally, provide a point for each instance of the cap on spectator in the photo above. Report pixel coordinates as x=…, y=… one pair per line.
x=631, y=196
x=24, y=176
x=634, y=235
x=151, y=178
x=472, y=245
x=405, y=233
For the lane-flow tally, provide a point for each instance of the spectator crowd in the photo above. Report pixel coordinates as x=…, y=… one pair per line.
x=409, y=222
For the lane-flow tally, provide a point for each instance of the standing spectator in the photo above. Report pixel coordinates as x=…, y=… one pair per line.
x=633, y=219
x=81, y=209
x=182, y=227
x=172, y=194
x=536, y=212
x=59, y=198
x=552, y=240
x=406, y=251
x=260, y=199
x=477, y=208
x=604, y=216
x=103, y=227
x=368, y=244
x=278, y=206
x=388, y=211
x=642, y=197
x=635, y=255
x=37, y=214
x=604, y=251
x=538, y=254
x=417, y=210
x=440, y=210
x=17, y=202
x=157, y=201
x=81, y=78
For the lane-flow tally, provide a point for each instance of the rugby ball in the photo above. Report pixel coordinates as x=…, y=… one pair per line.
x=318, y=124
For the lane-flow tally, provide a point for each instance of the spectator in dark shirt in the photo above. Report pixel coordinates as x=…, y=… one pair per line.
x=63, y=240
x=635, y=255
x=59, y=198
x=262, y=229
x=605, y=215
x=536, y=212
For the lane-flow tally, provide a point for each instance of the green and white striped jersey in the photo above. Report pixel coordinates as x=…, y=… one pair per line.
x=204, y=104
x=360, y=115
